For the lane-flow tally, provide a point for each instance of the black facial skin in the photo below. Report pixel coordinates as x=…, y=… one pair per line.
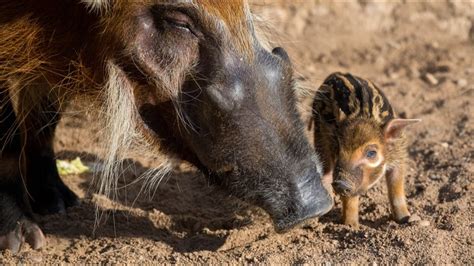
x=238, y=122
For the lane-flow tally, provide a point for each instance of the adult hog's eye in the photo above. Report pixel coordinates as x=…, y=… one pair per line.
x=179, y=20
x=371, y=154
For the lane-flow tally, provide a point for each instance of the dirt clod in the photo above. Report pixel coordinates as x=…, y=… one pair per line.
x=424, y=223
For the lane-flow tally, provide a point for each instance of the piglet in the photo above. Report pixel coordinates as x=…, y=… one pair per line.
x=360, y=140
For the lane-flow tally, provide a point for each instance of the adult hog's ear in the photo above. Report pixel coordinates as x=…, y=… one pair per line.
x=395, y=127
x=280, y=52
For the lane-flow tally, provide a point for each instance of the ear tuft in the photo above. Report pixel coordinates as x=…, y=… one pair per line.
x=395, y=127
x=97, y=5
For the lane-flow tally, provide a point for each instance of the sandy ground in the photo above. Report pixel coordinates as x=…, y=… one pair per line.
x=421, y=54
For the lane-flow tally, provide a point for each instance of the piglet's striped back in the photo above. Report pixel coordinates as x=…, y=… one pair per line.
x=345, y=96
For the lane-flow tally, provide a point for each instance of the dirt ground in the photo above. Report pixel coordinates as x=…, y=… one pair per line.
x=421, y=54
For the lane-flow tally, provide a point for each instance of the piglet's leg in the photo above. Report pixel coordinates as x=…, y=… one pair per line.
x=350, y=211
x=396, y=194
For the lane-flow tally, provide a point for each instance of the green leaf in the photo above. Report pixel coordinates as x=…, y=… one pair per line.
x=74, y=167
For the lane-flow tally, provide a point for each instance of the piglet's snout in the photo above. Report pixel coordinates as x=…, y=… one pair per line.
x=342, y=187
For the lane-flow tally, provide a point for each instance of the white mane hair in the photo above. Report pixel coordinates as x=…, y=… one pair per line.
x=122, y=137
x=97, y=5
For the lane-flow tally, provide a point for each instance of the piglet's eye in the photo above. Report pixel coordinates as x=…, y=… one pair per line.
x=371, y=154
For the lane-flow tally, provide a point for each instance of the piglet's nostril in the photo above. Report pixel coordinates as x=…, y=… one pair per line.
x=341, y=187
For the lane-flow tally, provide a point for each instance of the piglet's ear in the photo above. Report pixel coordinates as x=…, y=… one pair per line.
x=395, y=127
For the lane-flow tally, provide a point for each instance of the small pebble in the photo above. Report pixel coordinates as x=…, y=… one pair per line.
x=394, y=75
x=430, y=79
x=445, y=145
x=414, y=218
x=435, y=177
x=461, y=83
x=35, y=258
x=424, y=223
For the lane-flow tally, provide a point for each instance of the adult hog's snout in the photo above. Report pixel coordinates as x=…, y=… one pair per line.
x=310, y=199
x=247, y=135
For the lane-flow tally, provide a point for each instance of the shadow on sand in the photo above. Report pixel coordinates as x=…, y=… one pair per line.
x=182, y=212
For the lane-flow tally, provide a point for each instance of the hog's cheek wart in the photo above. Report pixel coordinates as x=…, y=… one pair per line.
x=237, y=93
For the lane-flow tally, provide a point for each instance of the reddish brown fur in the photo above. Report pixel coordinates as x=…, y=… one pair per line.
x=235, y=15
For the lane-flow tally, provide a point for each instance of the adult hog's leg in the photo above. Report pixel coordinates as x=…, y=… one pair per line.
x=16, y=224
x=350, y=211
x=396, y=193
x=39, y=111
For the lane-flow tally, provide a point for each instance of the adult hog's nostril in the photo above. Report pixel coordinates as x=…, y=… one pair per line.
x=281, y=53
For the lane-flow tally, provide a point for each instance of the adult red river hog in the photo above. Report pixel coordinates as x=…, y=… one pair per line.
x=187, y=77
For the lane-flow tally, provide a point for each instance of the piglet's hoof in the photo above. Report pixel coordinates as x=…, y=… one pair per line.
x=25, y=231
x=408, y=219
x=353, y=224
